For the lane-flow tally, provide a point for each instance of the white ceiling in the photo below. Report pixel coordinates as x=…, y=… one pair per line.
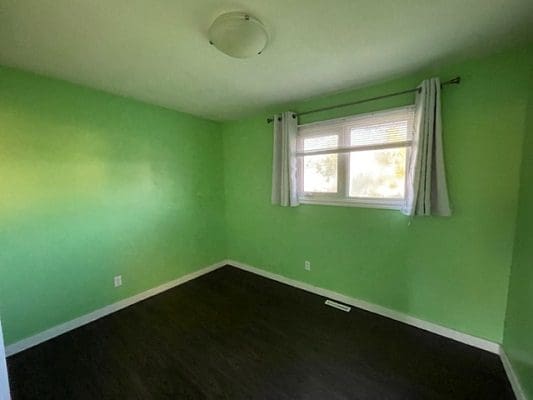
x=157, y=50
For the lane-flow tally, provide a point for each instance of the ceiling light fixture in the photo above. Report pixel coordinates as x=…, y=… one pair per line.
x=238, y=35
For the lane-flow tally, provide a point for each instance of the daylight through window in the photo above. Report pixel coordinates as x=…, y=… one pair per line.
x=360, y=160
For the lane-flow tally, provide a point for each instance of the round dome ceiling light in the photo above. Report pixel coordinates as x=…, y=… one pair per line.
x=238, y=35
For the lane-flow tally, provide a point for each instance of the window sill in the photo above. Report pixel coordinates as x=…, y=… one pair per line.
x=361, y=203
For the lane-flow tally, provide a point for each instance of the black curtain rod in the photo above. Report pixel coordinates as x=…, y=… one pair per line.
x=454, y=81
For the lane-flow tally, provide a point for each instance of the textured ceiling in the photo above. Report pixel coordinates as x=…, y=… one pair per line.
x=157, y=50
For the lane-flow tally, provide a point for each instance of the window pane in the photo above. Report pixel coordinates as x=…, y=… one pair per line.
x=320, y=173
x=321, y=142
x=378, y=173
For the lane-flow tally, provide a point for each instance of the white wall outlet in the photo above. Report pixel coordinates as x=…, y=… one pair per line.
x=117, y=280
x=307, y=265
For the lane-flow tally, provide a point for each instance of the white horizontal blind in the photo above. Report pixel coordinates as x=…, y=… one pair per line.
x=379, y=130
x=317, y=143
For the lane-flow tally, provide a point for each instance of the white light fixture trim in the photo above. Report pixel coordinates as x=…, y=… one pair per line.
x=238, y=35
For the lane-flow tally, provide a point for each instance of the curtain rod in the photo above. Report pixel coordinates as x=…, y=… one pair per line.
x=454, y=81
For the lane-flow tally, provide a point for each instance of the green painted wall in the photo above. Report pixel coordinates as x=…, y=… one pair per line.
x=454, y=271
x=95, y=185
x=518, y=337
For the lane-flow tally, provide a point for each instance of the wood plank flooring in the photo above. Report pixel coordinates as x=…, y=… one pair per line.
x=234, y=335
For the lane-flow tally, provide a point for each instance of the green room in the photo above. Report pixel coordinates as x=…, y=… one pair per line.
x=266, y=200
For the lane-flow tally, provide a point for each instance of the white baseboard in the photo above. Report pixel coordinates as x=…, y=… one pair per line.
x=4, y=381
x=374, y=308
x=396, y=315
x=513, y=378
x=102, y=312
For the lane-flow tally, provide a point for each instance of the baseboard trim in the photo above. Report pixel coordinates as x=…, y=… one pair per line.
x=513, y=378
x=374, y=308
x=102, y=312
x=4, y=379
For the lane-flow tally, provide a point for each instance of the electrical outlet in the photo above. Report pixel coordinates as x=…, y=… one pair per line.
x=118, y=280
x=307, y=265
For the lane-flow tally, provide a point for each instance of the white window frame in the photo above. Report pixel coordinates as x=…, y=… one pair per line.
x=341, y=127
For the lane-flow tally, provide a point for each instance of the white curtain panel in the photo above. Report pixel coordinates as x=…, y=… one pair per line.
x=427, y=192
x=284, y=185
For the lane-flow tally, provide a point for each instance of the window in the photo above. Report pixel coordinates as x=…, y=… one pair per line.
x=357, y=161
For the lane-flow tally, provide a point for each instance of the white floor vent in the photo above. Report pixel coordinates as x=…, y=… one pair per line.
x=339, y=306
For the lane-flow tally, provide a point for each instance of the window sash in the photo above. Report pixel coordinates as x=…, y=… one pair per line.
x=342, y=128
x=366, y=202
x=343, y=175
x=351, y=149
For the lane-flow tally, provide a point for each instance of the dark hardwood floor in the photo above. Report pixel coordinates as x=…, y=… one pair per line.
x=234, y=335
